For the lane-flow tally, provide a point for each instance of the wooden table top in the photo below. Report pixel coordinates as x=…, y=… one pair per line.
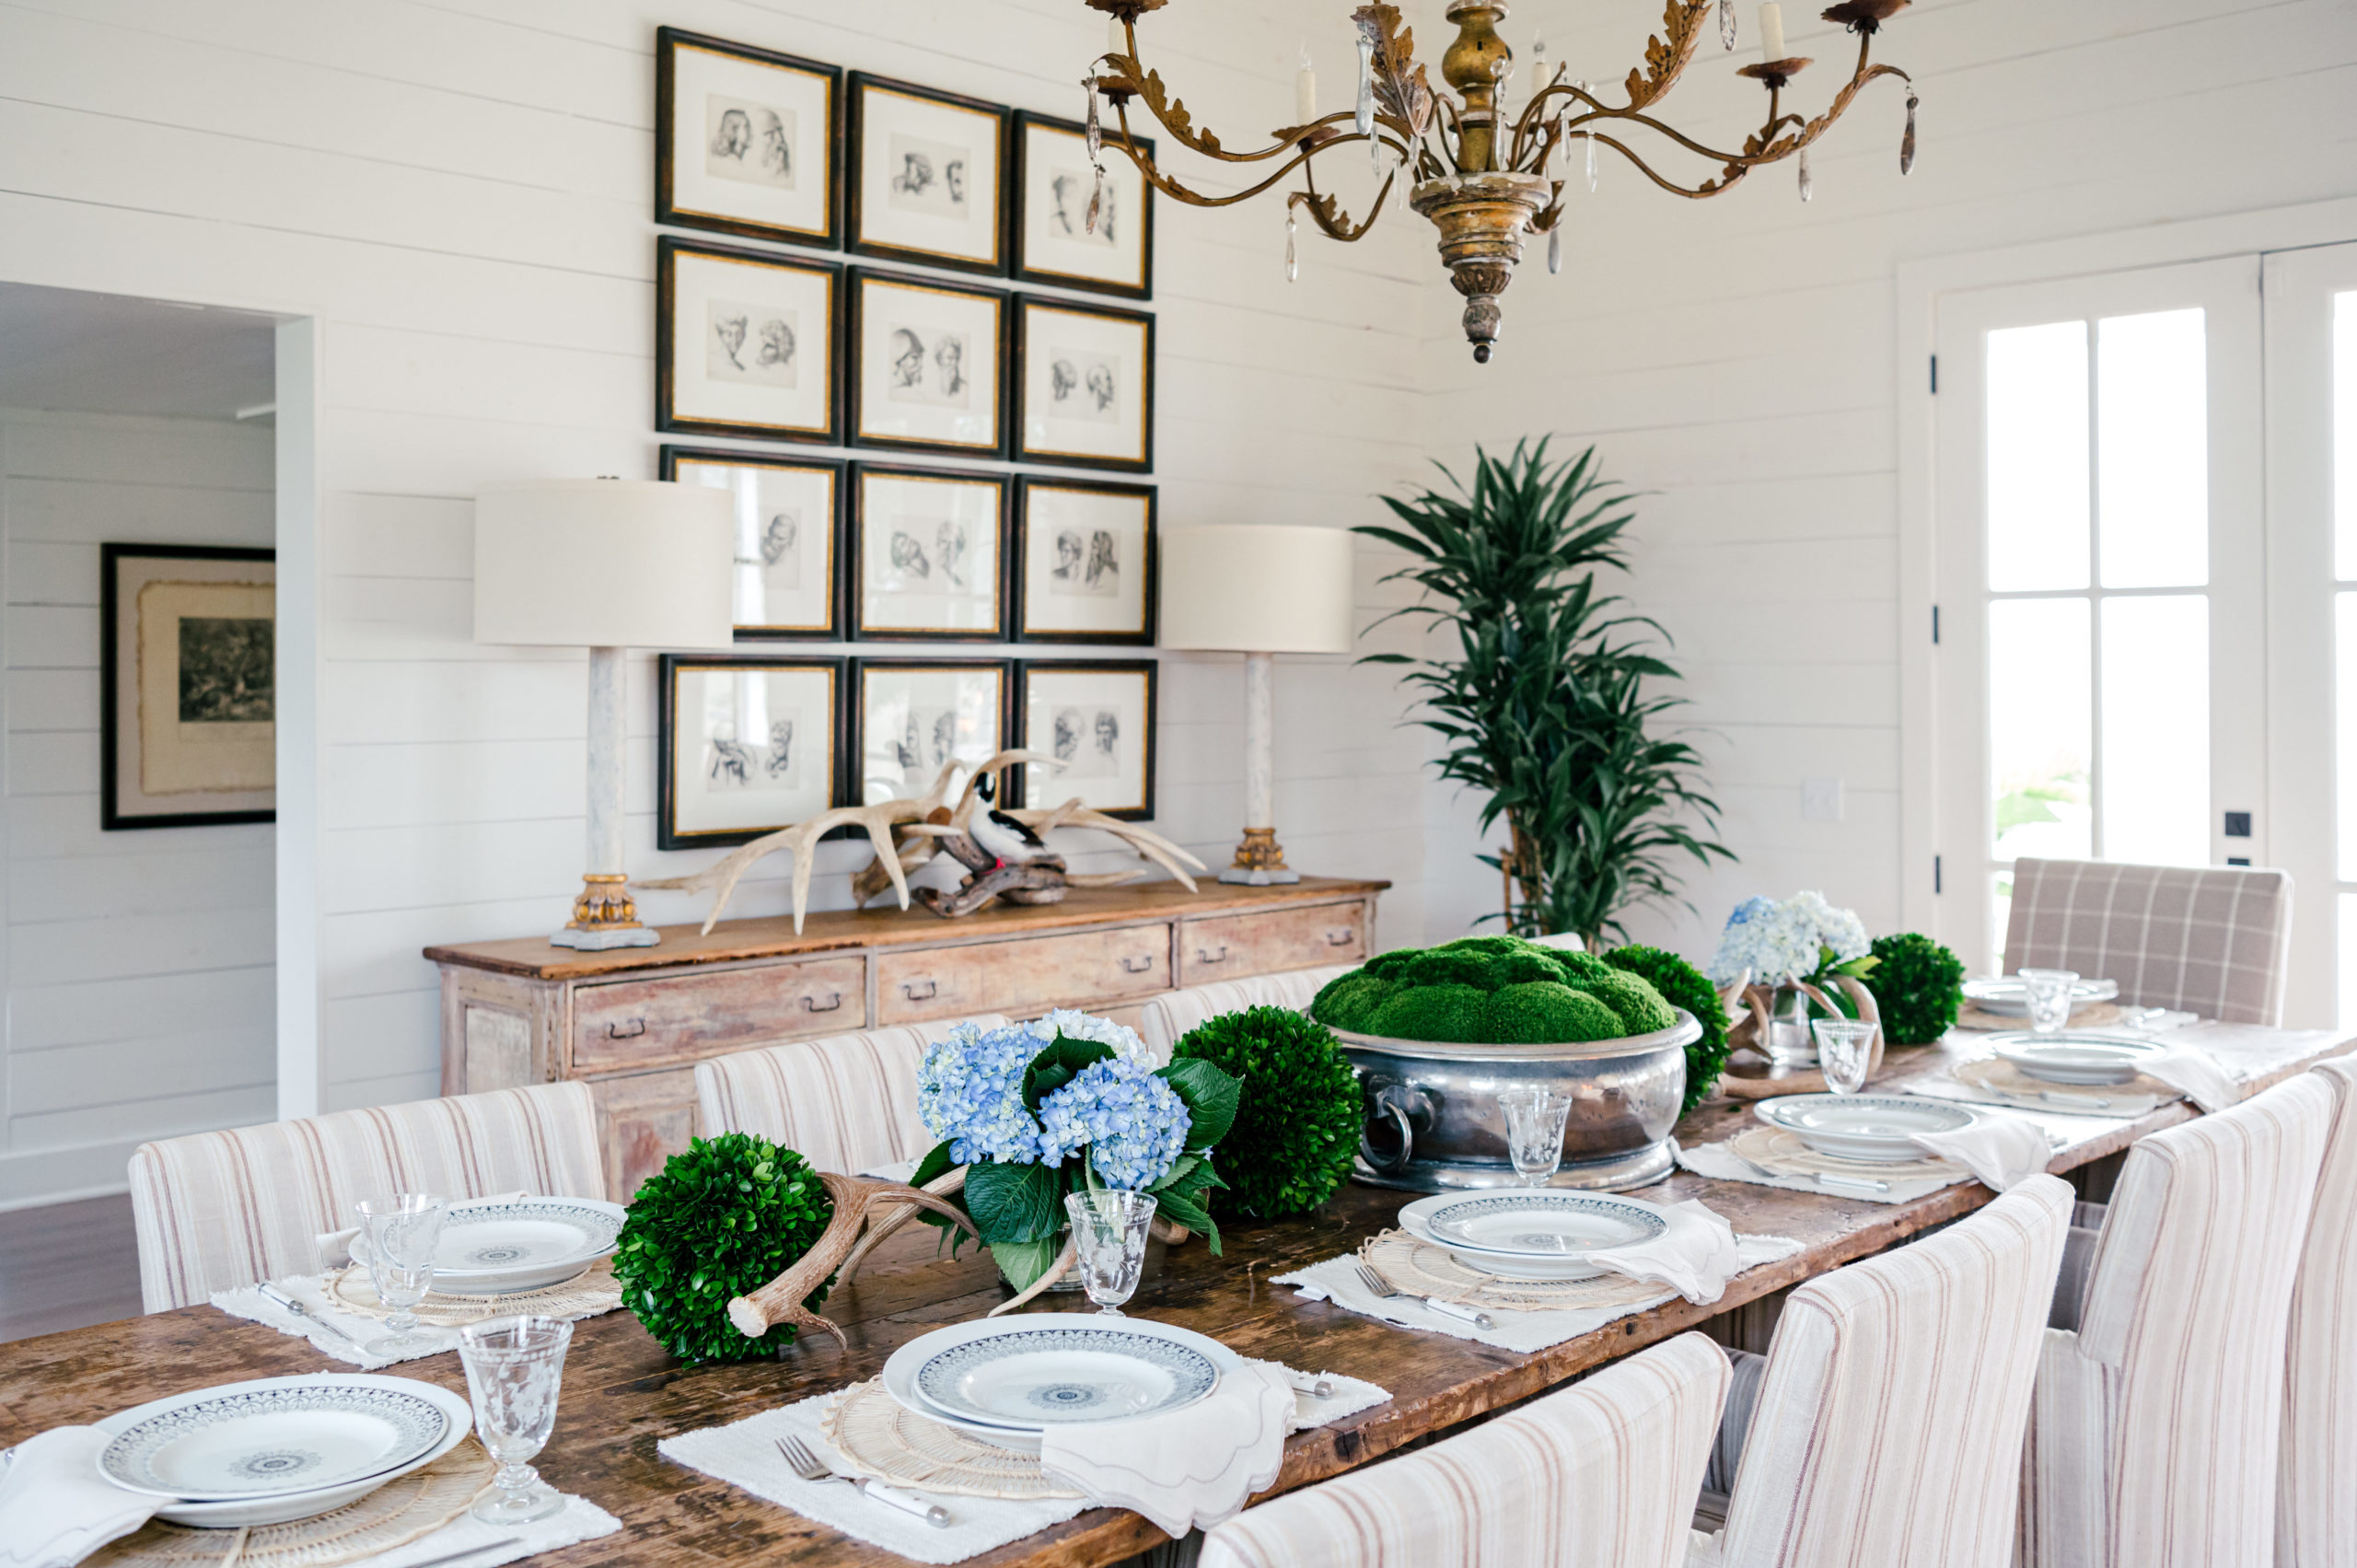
x=623, y=1394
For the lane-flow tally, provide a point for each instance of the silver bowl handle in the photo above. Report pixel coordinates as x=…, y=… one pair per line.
x=1387, y=1101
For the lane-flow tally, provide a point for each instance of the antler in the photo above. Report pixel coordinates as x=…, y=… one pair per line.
x=916, y=848
x=860, y=1203
x=799, y=841
x=1146, y=841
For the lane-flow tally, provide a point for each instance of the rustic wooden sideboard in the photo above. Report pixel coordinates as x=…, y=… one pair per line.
x=633, y=1023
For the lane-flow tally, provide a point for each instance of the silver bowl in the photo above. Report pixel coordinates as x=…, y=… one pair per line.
x=1433, y=1123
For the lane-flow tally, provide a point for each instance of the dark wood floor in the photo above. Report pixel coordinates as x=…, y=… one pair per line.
x=67, y=1266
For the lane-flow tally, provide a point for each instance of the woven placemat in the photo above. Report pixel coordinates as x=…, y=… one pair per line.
x=1784, y=1154
x=1410, y=1264
x=2001, y=1077
x=584, y=1296
x=877, y=1436
x=393, y=1516
x=2095, y=1016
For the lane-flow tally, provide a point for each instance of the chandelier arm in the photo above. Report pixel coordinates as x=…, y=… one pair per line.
x=1736, y=167
x=1766, y=136
x=1666, y=63
x=1172, y=188
x=1328, y=215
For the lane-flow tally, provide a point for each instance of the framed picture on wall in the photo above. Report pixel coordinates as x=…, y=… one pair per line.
x=928, y=554
x=913, y=717
x=745, y=140
x=188, y=702
x=1084, y=564
x=1055, y=242
x=745, y=344
x=927, y=175
x=747, y=743
x=928, y=365
x=790, y=514
x=1085, y=375
x=1097, y=717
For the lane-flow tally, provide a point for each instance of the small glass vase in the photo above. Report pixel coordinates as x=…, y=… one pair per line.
x=1788, y=1041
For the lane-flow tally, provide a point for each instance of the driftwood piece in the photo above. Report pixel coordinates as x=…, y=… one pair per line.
x=858, y=1202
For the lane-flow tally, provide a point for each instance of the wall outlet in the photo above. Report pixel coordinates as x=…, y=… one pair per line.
x=1820, y=800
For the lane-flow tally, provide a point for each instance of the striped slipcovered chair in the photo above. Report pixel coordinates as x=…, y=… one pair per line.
x=846, y=1103
x=2209, y=940
x=1599, y=1475
x=1169, y=1018
x=2157, y=1423
x=218, y=1211
x=1886, y=1422
x=2316, y=1515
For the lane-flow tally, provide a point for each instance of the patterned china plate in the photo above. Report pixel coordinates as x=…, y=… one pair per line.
x=2081, y=1058
x=1005, y=1378
x=2009, y=997
x=1532, y=1235
x=278, y=1436
x=525, y=1244
x=1874, y=1128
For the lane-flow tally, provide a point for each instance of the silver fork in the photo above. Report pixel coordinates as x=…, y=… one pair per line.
x=810, y=1467
x=1377, y=1285
x=286, y=1303
x=1817, y=1179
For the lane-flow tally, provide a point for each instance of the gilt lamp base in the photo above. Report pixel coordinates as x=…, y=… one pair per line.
x=605, y=917
x=1260, y=861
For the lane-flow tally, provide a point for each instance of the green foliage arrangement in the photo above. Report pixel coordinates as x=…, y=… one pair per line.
x=1683, y=985
x=1919, y=986
x=1548, y=702
x=726, y=1216
x=1491, y=991
x=1299, y=1124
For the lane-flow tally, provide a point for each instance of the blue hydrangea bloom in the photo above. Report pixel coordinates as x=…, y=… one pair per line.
x=1778, y=943
x=969, y=1090
x=1132, y=1124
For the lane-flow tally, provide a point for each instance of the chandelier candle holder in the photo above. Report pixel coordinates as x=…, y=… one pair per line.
x=1484, y=177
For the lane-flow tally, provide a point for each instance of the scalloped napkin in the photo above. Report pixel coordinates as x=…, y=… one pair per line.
x=55, y=1509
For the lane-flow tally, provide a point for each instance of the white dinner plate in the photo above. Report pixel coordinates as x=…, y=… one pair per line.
x=1532, y=1235
x=501, y=1247
x=1874, y=1128
x=2083, y=1057
x=1009, y=1379
x=2008, y=997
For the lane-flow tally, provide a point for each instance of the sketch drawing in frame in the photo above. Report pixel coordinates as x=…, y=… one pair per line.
x=188, y=733
x=748, y=743
x=745, y=344
x=1055, y=190
x=789, y=536
x=1085, y=374
x=913, y=717
x=1097, y=717
x=746, y=140
x=1085, y=555
x=926, y=176
x=928, y=554
x=928, y=365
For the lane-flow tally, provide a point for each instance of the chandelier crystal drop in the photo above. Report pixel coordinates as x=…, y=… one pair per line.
x=1726, y=24
x=1907, y=142
x=1293, y=256
x=1808, y=186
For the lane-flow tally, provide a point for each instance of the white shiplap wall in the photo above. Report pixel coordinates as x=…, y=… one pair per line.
x=138, y=964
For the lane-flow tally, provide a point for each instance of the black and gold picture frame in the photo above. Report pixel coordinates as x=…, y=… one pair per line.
x=1084, y=380
x=1083, y=561
x=913, y=717
x=928, y=365
x=791, y=514
x=746, y=140
x=745, y=344
x=926, y=176
x=1055, y=187
x=928, y=554
x=188, y=731
x=1097, y=717
x=747, y=743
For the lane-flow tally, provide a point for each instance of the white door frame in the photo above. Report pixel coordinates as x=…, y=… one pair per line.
x=301, y=578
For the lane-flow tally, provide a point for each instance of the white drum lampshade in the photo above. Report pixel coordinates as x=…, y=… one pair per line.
x=605, y=564
x=1258, y=591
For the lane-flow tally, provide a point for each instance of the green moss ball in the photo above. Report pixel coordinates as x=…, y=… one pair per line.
x=1349, y=1002
x=1637, y=1004
x=1297, y=1125
x=1454, y=1013
x=1682, y=986
x=1548, y=1013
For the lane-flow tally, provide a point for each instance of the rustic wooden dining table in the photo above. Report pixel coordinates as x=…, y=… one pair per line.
x=623, y=1394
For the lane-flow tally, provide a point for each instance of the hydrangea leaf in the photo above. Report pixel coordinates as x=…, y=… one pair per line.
x=1180, y=1209
x=1211, y=1096
x=1015, y=1202
x=1059, y=1065
x=1024, y=1261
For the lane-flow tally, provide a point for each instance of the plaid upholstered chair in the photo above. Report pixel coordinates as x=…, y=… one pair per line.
x=1599, y=1475
x=2158, y=1420
x=2315, y=1514
x=1171, y=1016
x=2209, y=940
x=220, y=1209
x=846, y=1103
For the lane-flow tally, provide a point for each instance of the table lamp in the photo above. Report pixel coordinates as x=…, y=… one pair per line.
x=1258, y=591
x=605, y=564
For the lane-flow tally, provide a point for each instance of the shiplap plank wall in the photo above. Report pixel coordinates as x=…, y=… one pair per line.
x=139, y=965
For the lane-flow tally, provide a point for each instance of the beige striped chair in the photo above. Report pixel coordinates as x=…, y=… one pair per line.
x=2210, y=940
x=2157, y=1423
x=1599, y=1475
x=2316, y=1513
x=1888, y=1430
x=845, y=1103
x=1169, y=1018
x=220, y=1209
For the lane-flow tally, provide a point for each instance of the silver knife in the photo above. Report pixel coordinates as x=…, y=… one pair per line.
x=284, y=1302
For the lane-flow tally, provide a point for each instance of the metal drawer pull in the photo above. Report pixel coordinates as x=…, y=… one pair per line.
x=616, y=1032
x=1218, y=957
x=1136, y=966
x=1341, y=939
x=811, y=1005
x=908, y=990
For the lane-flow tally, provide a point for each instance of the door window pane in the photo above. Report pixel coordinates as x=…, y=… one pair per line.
x=2344, y=434
x=2038, y=458
x=2040, y=733
x=2152, y=445
x=2156, y=730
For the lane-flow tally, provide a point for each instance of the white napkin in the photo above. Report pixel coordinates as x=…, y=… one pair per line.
x=55, y=1509
x=1191, y=1468
x=1696, y=1256
x=2003, y=1150
x=2196, y=1076
x=1714, y=1161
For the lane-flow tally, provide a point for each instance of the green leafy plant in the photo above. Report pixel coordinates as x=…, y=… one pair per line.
x=1491, y=991
x=1298, y=1126
x=1683, y=985
x=725, y=1216
x=1918, y=986
x=1548, y=701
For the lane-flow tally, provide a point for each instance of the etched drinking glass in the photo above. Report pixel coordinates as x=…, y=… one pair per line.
x=1845, y=1049
x=403, y=1231
x=2049, y=993
x=1535, y=1120
x=515, y=1366
x=1108, y=1227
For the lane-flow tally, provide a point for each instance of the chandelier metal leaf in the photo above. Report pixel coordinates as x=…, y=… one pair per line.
x=1485, y=178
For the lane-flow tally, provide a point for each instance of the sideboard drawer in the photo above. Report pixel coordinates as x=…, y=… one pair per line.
x=1227, y=947
x=1011, y=977
x=647, y=1023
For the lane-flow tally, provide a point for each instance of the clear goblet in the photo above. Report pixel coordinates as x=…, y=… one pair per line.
x=2049, y=993
x=1845, y=1049
x=515, y=1366
x=1110, y=1227
x=403, y=1231
x=1535, y=1120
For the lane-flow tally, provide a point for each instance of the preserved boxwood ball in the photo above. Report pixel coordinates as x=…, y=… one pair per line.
x=1918, y=987
x=1682, y=986
x=1298, y=1123
x=1548, y=1013
x=1637, y=1004
x=1456, y=1013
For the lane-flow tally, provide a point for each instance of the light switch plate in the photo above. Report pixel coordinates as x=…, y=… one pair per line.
x=1820, y=800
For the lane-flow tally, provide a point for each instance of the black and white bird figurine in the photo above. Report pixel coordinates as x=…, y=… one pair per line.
x=999, y=834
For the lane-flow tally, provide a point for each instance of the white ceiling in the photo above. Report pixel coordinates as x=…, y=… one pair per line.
x=63, y=348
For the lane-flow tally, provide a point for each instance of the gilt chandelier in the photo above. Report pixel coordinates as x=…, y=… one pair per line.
x=1485, y=178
